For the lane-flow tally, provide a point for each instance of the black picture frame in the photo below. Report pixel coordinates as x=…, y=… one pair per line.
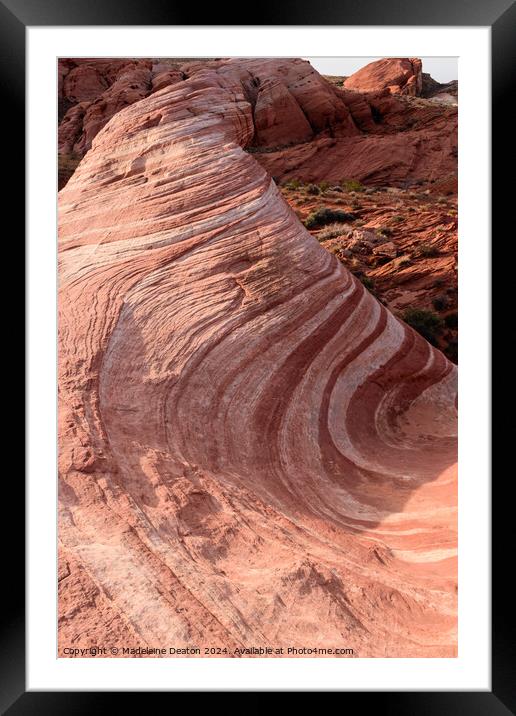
x=500, y=16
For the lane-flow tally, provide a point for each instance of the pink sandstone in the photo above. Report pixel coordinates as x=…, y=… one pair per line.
x=252, y=449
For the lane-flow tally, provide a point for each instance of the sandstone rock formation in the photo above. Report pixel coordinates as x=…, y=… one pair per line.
x=90, y=92
x=304, y=126
x=401, y=141
x=252, y=449
x=403, y=158
x=398, y=75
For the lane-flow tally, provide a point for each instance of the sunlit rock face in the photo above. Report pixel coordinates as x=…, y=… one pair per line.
x=252, y=449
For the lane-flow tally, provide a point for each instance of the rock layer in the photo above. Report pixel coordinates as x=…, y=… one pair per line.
x=253, y=450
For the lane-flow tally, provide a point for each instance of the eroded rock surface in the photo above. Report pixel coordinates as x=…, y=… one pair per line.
x=253, y=450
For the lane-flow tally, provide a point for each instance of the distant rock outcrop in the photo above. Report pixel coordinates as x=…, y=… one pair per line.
x=398, y=75
x=252, y=449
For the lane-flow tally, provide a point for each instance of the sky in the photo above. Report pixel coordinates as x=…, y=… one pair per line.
x=442, y=69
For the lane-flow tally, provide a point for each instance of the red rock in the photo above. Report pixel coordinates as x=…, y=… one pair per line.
x=360, y=110
x=164, y=79
x=290, y=107
x=98, y=90
x=334, y=132
x=415, y=220
x=401, y=158
x=278, y=118
x=398, y=75
x=252, y=449
x=386, y=249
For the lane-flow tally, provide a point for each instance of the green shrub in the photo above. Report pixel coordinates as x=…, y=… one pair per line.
x=325, y=216
x=292, y=184
x=351, y=185
x=426, y=323
x=324, y=186
x=313, y=189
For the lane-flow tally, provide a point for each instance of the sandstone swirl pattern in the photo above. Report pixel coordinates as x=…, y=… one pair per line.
x=253, y=450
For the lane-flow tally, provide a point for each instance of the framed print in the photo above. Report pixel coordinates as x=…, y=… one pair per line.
x=258, y=264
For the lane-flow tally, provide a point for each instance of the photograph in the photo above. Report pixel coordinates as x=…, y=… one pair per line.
x=257, y=357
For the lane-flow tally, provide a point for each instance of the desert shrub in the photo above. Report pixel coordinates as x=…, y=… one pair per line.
x=292, y=184
x=351, y=185
x=427, y=251
x=451, y=320
x=426, y=323
x=331, y=231
x=325, y=216
x=384, y=231
x=313, y=189
x=440, y=303
x=324, y=185
x=404, y=261
x=396, y=219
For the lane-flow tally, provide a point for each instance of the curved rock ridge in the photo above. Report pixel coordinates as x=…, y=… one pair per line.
x=398, y=75
x=253, y=450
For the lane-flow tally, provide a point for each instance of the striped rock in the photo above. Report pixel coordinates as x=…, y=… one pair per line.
x=252, y=450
